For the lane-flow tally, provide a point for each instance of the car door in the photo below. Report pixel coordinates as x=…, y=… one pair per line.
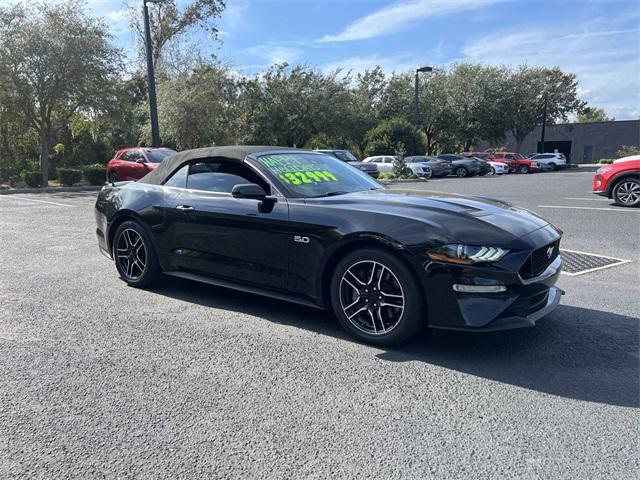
x=216, y=234
x=138, y=165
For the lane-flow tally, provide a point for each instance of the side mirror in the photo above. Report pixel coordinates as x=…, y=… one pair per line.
x=249, y=190
x=141, y=160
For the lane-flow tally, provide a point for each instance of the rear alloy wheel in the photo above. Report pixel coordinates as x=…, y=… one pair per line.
x=134, y=255
x=627, y=193
x=523, y=169
x=113, y=177
x=461, y=172
x=376, y=297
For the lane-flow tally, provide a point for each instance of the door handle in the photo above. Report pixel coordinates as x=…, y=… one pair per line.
x=184, y=207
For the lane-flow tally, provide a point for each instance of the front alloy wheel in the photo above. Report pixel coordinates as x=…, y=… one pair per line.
x=627, y=193
x=375, y=297
x=371, y=297
x=461, y=172
x=492, y=171
x=523, y=169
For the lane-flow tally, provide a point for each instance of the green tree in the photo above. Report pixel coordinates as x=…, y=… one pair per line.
x=170, y=20
x=390, y=135
x=593, y=114
x=197, y=108
x=531, y=93
x=288, y=105
x=59, y=61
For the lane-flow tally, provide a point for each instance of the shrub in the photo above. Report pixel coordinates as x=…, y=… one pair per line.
x=94, y=174
x=32, y=179
x=69, y=176
x=627, y=151
x=605, y=160
x=387, y=176
x=387, y=137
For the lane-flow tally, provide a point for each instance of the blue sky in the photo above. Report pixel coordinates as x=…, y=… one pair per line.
x=599, y=40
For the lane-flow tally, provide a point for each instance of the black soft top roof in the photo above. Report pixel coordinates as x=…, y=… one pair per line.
x=174, y=162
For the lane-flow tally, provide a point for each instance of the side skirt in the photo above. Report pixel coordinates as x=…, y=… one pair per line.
x=244, y=288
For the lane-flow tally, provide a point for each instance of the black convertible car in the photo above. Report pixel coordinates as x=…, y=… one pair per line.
x=306, y=227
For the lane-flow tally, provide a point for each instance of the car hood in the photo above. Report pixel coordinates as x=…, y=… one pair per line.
x=465, y=219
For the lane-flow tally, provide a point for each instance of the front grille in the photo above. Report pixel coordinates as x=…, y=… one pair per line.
x=539, y=260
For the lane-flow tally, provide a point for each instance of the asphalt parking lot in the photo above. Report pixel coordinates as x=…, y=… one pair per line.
x=99, y=380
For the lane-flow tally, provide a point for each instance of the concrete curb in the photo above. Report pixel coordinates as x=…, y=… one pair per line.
x=89, y=188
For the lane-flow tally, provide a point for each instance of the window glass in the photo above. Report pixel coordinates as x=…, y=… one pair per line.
x=221, y=176
x=126, y=156
x=345, y=156
x=508, y=156
x=179, y=178
x=156, y=156
x=306, y=175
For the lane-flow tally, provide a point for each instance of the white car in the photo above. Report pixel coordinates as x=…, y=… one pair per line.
x=385, y=165
x=498, y=168
x=550, y=161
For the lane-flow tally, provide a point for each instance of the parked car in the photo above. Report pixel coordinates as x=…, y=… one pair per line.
x=385, y=164
x=439, y=168
x=387, y=262
x=350, y=158
x=461, y=166
x=620, y=181
x=516, y=162
x=550, y=161
x=133, y=163
x=498, y=168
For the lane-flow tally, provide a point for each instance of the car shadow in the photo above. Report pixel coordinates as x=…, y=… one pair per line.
x=575, y=352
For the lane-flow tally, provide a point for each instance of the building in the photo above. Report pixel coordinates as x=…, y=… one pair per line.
x=580, y=142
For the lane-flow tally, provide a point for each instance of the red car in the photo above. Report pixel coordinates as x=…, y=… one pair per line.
x=134, y=163
x=620, y=181
x=516, y=162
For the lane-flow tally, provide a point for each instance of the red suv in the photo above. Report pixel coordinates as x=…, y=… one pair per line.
x=134, y=163
x=620, y=181
x=516, y=162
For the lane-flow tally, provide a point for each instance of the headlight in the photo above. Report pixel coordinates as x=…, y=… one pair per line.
x=466, y=254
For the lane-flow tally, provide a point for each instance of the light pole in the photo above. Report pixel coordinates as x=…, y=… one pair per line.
x=153, y=106
x=544, y=121
x=416, y=113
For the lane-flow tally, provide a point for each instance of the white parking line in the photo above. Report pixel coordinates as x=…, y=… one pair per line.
x=598, y=199
x=37, y=201
x=621, y=209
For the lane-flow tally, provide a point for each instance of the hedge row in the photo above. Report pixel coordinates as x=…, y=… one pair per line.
x=92, y=174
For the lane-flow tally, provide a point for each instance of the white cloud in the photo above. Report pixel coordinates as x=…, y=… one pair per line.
x=401, y=14
x=274, y=54
x=358, y=64
x=606, y=60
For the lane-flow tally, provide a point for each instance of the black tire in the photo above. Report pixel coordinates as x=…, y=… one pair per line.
x=113, y=177
x=137, y=268
x=492, y=171
x=523, y=169
x=553, y=166
x=626, y=192
x=385, y=323
x=461, y=172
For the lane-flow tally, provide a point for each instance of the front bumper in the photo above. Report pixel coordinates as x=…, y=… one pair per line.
x=522, y=303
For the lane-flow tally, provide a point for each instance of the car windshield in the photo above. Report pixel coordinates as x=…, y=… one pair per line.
x=345, y=156
x=307, y=175
x=156, y=156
